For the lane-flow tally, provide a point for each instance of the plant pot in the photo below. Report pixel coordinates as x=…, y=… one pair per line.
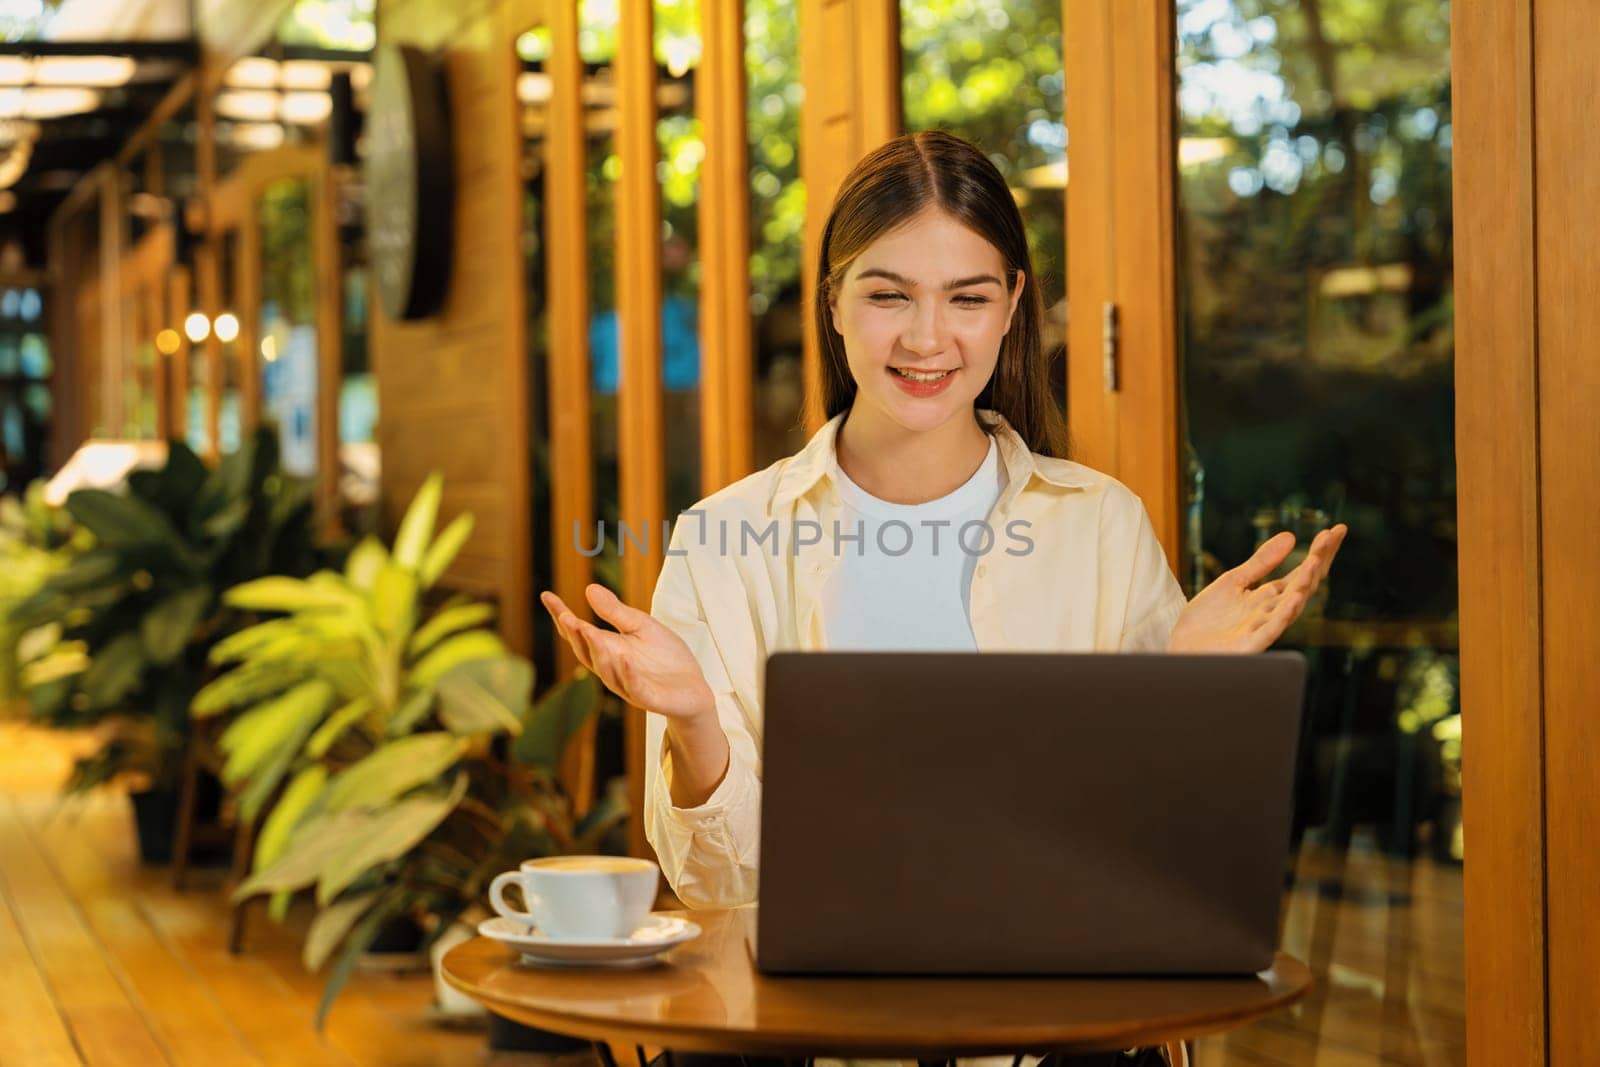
x=155, y=820
x=449, y=1003
x=508, y=1036
x=396, y=950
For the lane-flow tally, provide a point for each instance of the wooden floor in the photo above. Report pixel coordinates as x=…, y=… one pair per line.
x=102, y=962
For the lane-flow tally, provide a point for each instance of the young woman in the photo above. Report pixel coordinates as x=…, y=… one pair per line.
x=936, y=509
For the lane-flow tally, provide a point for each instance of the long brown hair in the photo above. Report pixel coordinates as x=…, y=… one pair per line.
x=888, y=188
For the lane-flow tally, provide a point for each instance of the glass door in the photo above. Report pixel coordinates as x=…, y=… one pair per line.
x=1316, y=363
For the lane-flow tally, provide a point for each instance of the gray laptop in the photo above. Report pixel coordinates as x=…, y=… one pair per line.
x=1021, y=813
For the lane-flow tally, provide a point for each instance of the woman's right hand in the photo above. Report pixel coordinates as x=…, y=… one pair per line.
x=644, y=662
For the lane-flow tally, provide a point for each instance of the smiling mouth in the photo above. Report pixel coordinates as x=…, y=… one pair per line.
x=921, y=376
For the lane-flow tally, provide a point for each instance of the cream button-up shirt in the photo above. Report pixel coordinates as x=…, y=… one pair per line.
x=1075, y=566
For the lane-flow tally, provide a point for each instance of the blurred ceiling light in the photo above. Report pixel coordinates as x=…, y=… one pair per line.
x=97, y=71
x=168, y=342
x=257, y=135
x=304, y=74
x=16, y=70
x=305, y=109
x=533, y=87
x=1195, y=151
x=269, y=348
x=54, y=103
x=196, y=327
x=227, y=327
x=252, y=72
x=248, y=105
x=46, y=103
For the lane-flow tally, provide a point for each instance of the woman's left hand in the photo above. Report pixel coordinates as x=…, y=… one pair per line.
x=1236, y=613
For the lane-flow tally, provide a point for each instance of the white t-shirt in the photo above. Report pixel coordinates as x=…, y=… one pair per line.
x=904, y=585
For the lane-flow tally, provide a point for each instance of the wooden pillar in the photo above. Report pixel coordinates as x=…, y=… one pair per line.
x=850, y=67
x=727, y=430
x=641, y=446
x=1566, y=173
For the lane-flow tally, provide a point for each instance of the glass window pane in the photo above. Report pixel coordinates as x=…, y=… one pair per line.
x=288, y=327
x=33, y=358
x=1316, y=332
x=777, y=222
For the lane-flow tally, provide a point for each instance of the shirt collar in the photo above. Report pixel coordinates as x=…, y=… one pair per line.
x=808, y=466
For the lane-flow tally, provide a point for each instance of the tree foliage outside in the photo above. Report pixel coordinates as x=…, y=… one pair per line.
x=1315, y=271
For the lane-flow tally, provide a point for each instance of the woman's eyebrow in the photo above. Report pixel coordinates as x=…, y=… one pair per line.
x=959, y=283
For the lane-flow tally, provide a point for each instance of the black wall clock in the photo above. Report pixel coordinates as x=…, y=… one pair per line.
x=409, y=182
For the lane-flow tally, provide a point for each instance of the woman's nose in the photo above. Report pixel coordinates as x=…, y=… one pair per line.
x=925, y=334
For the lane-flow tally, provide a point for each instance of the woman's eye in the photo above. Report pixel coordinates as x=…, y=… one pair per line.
x=886, y=298
x=969, y=300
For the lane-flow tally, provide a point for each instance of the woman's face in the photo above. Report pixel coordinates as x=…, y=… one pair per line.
x=922, y=311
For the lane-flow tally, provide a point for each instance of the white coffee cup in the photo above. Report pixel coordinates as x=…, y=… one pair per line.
x=590, y=897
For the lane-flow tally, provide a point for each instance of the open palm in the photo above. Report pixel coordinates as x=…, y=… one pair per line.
x=1239, y=612
x=643, y=662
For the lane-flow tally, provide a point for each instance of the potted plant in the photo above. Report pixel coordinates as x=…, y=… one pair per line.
x=383, y=738
x=36, y=541
x=140, y=608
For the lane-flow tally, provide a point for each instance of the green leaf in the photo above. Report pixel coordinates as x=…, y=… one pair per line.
x=287, y=814
x=447, y=621
x=167, y=627
x=252, y=640
x=88, y=570
x=394, y=602
x=485, y=696
x=394, y=769
x=332, y=924
x=126, y=522
x=453, y=651
x=311, y=847
x=417, y=527
x=268, y=730
x=360, y=940
x=114, y=671
x=411, y=711
x=391, y=833
x=245, y=685
x=609, y=811
x=549, y=725
x=444, y=550
x=335, y=726
x=278, y=905
x=291, y=595
x=366, y=559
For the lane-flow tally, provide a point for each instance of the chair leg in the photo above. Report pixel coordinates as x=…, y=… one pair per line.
x=243, y=845
x=183, y=834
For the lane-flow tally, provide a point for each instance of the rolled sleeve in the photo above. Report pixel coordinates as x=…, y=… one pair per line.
x=708, y=853
x=1153, y=597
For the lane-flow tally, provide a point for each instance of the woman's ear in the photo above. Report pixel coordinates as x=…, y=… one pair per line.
x=833, y=311
x=1016, y=298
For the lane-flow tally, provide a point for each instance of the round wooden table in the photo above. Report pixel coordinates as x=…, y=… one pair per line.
x=706, y=996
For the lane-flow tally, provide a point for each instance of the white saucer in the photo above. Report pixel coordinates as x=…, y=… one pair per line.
x=654, y=936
